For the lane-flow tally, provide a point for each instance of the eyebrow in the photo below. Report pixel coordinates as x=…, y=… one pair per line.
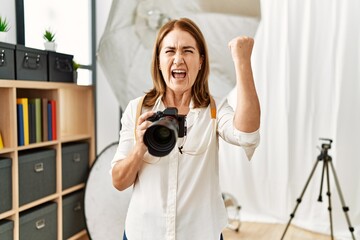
x=185, y=47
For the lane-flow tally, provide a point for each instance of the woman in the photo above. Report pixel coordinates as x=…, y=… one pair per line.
x=178, y=196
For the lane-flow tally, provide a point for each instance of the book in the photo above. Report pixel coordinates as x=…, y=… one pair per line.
x=1, y=142
x=24, y=102
x=32, y=123
x=20, y=124
x=37, y=118
x=49, y=118
x=44, y=121
x=53, y=119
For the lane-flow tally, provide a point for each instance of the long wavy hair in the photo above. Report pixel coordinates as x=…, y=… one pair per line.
x=200, y=90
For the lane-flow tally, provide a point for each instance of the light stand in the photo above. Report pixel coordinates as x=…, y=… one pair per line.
x=327, y=161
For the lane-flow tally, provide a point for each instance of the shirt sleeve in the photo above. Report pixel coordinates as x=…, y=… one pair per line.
x=127, y=132
x=228, y=132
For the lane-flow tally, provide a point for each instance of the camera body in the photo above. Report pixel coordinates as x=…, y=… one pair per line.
x=161, y=136
x=173, y=113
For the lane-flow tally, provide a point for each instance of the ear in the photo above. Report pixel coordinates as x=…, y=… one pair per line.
x=201, y=61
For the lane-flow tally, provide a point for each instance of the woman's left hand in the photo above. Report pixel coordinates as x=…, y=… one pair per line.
x=241, y=48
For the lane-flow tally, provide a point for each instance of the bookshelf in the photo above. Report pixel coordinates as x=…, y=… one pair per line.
x=74, y=123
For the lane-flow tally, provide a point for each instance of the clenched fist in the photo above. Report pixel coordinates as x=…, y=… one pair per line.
x=241, y=48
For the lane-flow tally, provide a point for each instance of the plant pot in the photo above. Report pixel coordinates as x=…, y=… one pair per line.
x=3, y=36
x=75, y=76
x=50, y=46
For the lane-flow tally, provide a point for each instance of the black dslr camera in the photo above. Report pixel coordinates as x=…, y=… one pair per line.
x=162, y=134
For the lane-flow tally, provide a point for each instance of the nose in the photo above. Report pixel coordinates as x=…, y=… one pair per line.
x=178, y=59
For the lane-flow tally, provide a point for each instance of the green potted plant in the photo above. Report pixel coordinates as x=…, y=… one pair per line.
x=49, y=37
x=75, y=68
x=4, y=28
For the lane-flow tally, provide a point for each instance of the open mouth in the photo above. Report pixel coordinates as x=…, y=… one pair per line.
x=178, y=73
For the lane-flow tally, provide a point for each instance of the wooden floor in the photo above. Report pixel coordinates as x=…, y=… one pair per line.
x=265, y=231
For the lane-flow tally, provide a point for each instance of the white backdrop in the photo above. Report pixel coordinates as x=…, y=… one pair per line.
x=307, y=71
x=306, y=68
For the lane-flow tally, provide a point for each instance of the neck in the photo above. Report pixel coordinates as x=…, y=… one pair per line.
x=180, y=101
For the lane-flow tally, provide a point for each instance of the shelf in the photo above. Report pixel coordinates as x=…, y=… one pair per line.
x=38, y=202
x=74, y=137
x=73, y=189
x=7, y=214
x=80, y=236
x=75, y=122
x=6, y=150
x=37, y=145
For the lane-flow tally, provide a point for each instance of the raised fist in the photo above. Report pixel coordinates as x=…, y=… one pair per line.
x=241, y=48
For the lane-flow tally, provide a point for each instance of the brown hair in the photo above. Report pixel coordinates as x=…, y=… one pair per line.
x=200, y=90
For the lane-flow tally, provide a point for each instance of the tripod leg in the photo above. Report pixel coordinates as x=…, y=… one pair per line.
x=321, y=183
x=298, y=201
x=329, y=198
x=344, y=207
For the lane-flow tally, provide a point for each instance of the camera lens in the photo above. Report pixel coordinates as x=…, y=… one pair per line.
x=161, y=136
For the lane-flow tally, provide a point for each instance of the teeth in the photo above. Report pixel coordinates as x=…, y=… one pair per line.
x=179, y=71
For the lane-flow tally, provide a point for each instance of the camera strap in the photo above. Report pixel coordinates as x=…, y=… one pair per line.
x=140, y=104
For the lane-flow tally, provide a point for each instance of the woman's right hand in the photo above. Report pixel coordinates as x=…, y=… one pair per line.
x=141, y=126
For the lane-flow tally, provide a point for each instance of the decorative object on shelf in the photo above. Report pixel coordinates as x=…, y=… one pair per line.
x=60, y=67
x=1, y=142
x=4, y=28
x=49, y=37
x=75, y=68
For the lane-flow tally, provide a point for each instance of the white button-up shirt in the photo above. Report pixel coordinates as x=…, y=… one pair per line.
x=178, y=196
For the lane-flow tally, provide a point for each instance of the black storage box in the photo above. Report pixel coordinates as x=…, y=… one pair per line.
x=75, y=162
x=6, y=230
x=31, y=64
x=37, y=175
x=39, y=223
x=73, y=214
x=60, y=67
x=5, y=184
x=7, y=61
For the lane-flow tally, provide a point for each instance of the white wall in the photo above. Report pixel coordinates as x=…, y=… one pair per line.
x=108, y=120
x=7, y=10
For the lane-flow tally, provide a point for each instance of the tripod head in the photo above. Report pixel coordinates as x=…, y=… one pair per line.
x=324, y=148
x=326, y=145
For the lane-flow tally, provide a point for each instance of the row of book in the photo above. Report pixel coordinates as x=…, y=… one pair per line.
x=36, y=120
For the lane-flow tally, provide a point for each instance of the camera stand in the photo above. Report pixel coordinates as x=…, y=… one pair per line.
x=327, y=161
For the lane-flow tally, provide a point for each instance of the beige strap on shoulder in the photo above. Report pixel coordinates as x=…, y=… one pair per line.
x=212, y=108
x=138, y=112
x=139, y=107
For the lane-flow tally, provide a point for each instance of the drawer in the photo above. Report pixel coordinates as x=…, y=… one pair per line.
x=6, y=230
x=73, y=214
x=5, y=184
x=7, y=61
x=39, y=223
x=60, y=67
x=75, y=163
x=31, y=64
x=37, y=175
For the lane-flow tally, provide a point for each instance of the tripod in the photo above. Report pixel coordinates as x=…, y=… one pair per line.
x=327, y=161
